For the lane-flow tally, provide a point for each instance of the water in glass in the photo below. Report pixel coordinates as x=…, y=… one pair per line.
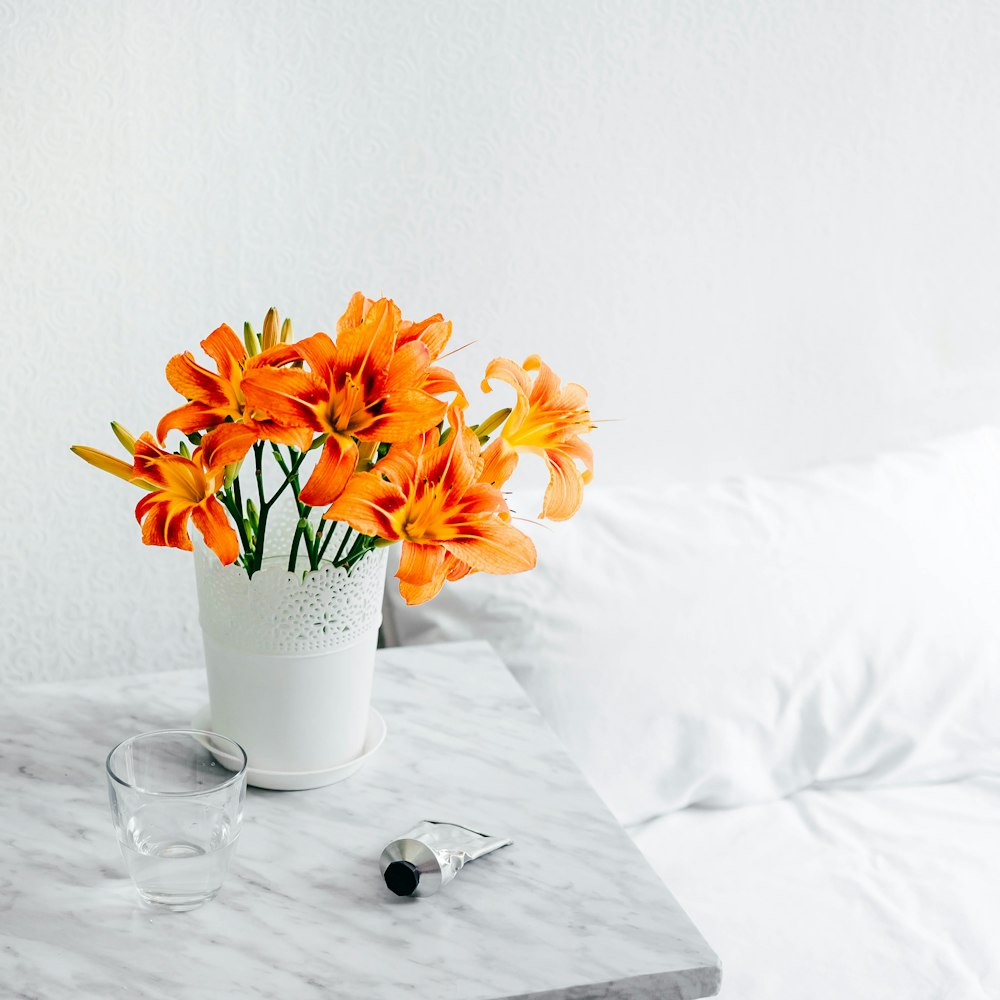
x=178, y=853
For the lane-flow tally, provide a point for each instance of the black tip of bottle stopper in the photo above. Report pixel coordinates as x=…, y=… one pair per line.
x=402, y=877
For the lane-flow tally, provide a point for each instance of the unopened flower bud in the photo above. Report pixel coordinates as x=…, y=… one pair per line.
x=127, y=439
x=251, y=340
x=269, y=333
x=492, y=422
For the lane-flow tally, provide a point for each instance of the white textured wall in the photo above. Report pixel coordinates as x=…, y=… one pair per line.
x=763, y=233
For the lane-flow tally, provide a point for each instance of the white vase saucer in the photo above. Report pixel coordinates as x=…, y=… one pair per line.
x=289, y=781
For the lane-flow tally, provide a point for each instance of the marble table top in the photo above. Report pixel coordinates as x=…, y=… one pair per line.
x=570, y=911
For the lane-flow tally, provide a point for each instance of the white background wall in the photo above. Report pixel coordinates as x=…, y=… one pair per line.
x=762, y=233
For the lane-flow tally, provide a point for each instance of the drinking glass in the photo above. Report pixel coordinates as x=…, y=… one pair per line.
x=178, y=812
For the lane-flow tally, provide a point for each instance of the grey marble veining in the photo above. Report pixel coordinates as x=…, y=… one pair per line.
x=570, y=912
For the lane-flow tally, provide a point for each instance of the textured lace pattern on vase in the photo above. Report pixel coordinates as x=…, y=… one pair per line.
x=289, y=612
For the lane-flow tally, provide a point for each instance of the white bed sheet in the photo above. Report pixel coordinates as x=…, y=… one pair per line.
x=830, y=894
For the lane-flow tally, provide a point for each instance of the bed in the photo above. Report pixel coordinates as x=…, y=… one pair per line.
x=832, y=893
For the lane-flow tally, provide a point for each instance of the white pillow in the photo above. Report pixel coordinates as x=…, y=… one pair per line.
x=735, y=642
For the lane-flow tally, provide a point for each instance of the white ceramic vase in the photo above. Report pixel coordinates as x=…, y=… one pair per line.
x=290, y=658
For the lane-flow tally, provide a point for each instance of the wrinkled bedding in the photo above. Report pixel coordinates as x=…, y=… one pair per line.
x=836, y=894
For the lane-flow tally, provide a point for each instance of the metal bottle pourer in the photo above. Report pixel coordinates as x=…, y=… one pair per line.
x=431, y=854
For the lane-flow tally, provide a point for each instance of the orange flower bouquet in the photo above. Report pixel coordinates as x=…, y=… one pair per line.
x=366, y=438
x=398, y=459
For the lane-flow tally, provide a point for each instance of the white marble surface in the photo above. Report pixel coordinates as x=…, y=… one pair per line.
x=570, y=911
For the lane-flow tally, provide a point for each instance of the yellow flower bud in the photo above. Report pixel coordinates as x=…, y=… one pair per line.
x=269, y=333
x=127, y=439
x=108, y=463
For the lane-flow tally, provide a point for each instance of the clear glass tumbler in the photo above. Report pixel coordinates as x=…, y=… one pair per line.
x=178, y=812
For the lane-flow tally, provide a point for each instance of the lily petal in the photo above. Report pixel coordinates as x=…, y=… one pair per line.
x=422, y=572
x=191, y=417
x=320, y=353
x=415, y=594
x=438, y=381
x=420, y=563
x=494, y=547
x=298, y=437
x=194, y=382
x=369, y=347
x=211, y=520
x=407, y=367
x=334, y=469
x=371, y=506
x=164, y=521
x=227, y=443
x=507, y=371
x=354, y=313
x=434, y=331
x=226, y=350
x=288, y=396
x=402, y=415
x=499, y=463
x=564, y=493
x=274, y=357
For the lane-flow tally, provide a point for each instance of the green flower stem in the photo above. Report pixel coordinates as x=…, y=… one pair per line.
x=295, y=461
x=237, y=493
x=290, y=477
x=361, y=545
x=318, y=542
x=266, y=504
x=279, y=458
x=259, y=541
x=258, y=454
x=300, y=536
x=229, y=501
x=326, y=543
x=299, y=529
x=343, y=545
x=251, y=518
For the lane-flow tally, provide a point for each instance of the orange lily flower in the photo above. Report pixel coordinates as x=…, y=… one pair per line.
x=185, y=489
x=429, y=496
x=365, y=387
x=214, y=399
x=433, y=332
x=547, y=419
